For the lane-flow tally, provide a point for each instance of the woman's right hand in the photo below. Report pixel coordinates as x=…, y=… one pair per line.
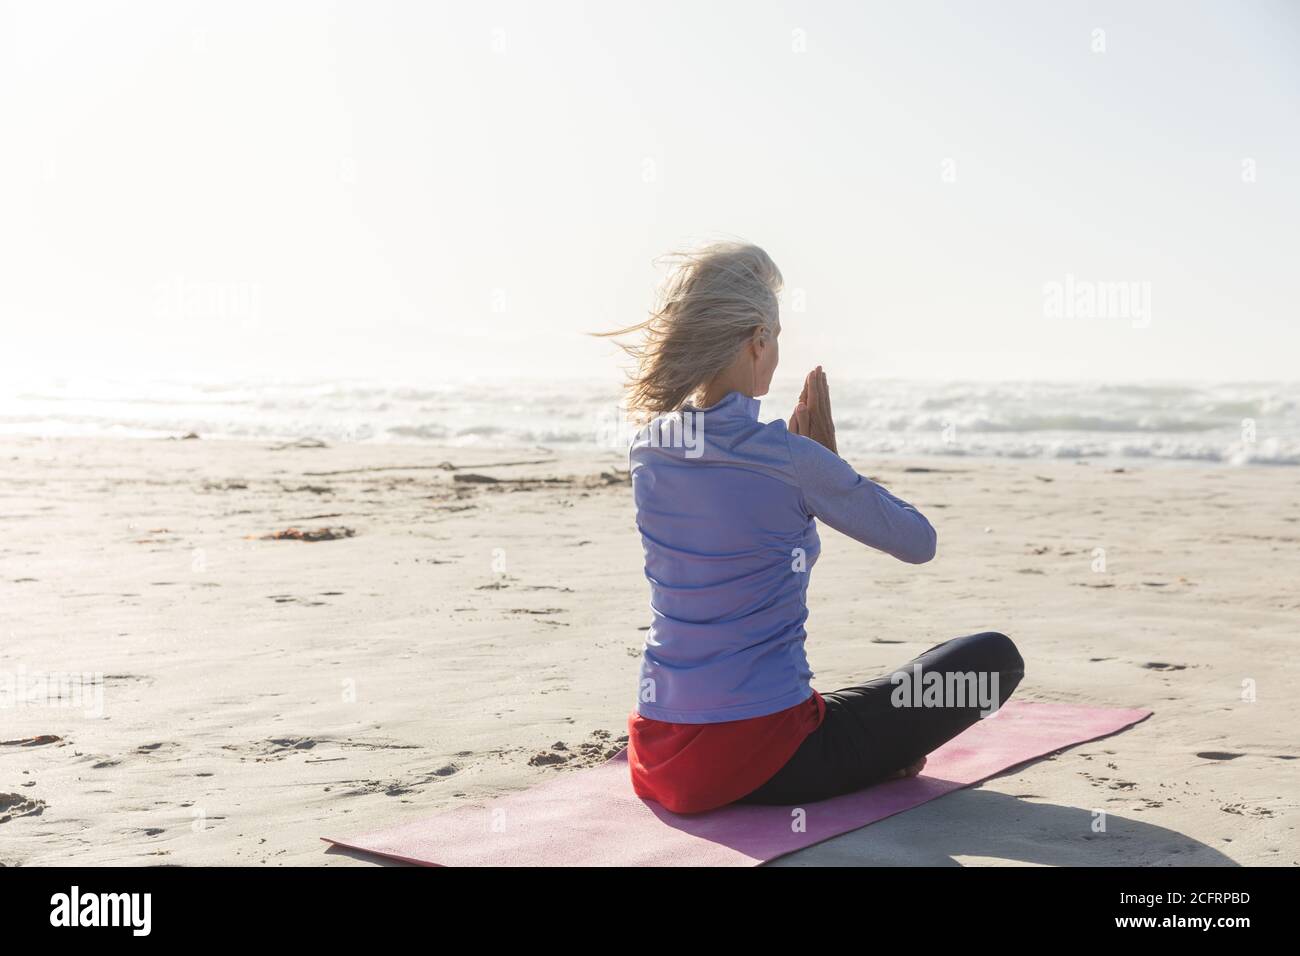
x=812, y=415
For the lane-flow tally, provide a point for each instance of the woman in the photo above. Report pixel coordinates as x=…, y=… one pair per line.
x=728, y=509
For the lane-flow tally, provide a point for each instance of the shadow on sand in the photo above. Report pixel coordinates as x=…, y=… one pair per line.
x=997, y=827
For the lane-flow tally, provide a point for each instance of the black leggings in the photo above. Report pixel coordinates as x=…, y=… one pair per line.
x=871, y=730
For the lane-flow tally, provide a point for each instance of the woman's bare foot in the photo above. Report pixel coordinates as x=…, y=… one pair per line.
x=911, y=770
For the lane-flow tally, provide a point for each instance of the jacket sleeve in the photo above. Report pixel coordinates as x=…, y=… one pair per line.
x=857, y=506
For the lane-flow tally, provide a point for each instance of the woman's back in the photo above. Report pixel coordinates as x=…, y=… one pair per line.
x=726, y=508
x=724, y=528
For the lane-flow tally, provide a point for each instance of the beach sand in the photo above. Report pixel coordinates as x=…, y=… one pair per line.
x=470, y=637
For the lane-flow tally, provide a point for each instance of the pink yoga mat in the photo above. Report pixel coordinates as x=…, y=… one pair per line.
x=592, y=817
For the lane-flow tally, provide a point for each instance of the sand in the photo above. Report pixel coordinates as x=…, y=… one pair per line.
x=453, y=637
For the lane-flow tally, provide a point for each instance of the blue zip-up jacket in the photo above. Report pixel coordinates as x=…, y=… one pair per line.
x=726, y=507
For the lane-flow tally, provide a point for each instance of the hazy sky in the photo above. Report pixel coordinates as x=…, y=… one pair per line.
x=439, y=190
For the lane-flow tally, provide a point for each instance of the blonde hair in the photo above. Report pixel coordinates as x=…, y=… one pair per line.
x=709, y=305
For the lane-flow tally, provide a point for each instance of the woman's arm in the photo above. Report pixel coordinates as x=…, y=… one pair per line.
x=857, y=506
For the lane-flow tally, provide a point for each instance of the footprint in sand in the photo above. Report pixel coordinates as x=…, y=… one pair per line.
x=14, y=805
x=599, y=747
x=160, y=747
x=39, y=741
x=398, y=788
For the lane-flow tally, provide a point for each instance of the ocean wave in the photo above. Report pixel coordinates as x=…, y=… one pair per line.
x=1065, y=422
x=1229, y=424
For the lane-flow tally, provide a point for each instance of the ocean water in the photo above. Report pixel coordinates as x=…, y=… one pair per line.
x=1228, y=423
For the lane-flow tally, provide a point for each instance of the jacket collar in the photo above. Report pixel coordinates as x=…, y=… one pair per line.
x=732, y=404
